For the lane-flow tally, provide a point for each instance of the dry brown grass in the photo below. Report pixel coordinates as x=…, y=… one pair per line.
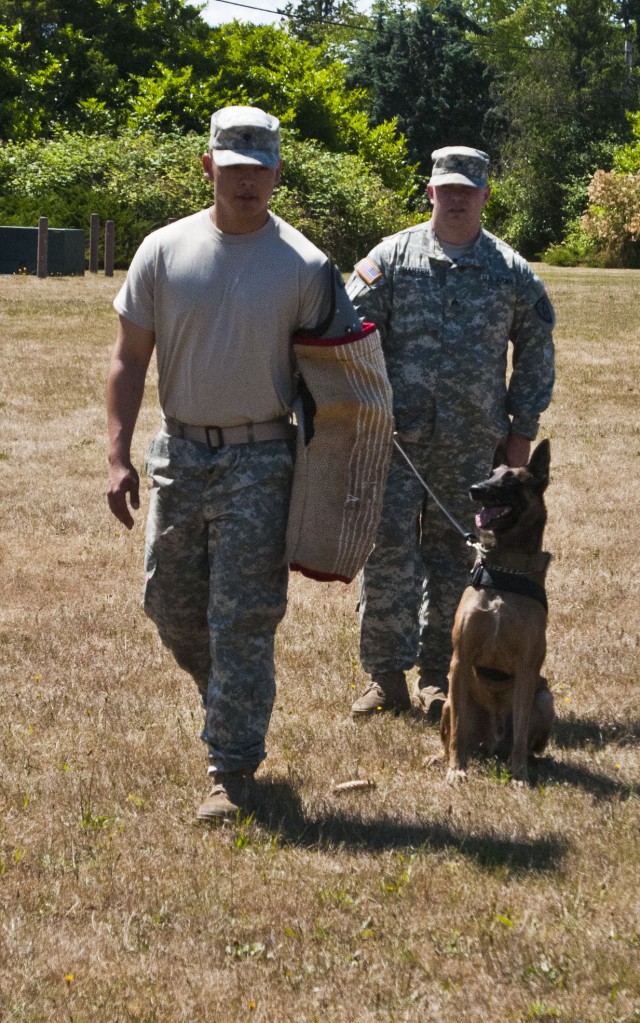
x=411, y=901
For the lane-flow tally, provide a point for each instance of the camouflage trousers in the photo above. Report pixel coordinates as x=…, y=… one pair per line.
x=216, y=579
x=413, y=578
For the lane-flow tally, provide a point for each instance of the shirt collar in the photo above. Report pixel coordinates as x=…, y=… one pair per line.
x=477, y=256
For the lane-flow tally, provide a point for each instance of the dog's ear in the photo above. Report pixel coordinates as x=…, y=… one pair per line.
x=499, y=455
x=539, y=463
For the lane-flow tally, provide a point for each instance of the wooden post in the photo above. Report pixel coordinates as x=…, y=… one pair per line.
x=42, y=259
x=109, y=247
x=94, y=241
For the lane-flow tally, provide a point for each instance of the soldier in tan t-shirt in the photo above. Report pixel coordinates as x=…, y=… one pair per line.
x=219, y=296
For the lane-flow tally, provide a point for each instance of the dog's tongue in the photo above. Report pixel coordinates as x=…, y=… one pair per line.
x=485, y=516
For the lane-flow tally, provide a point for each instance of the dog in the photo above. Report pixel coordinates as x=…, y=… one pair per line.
x=498, y=702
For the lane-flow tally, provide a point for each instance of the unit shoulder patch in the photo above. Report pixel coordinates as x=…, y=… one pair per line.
x=368, y=271
x=544, y=309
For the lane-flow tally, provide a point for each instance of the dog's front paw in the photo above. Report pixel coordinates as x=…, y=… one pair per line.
x=519, y=773
x=455, y=775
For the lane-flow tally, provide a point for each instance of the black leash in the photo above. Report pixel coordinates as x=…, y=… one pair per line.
x=470, y=538
x=482, y=576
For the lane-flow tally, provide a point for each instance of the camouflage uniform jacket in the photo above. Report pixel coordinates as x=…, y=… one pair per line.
x=446, y=327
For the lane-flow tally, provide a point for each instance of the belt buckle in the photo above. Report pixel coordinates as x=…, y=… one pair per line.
x=207, y=431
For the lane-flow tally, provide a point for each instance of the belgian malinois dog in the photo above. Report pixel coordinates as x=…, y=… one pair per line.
x=498, y=701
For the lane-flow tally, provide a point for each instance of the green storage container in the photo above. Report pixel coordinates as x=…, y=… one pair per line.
x=19, y=250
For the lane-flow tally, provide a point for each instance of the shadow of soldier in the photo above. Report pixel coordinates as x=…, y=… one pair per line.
x=280, y=811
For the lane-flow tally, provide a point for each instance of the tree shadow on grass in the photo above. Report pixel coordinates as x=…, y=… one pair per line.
x=578, y=733
x=586, y=734
x=548, y=772
x=280, y=811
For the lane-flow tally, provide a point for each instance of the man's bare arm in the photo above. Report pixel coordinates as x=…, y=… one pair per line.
x=125, y=387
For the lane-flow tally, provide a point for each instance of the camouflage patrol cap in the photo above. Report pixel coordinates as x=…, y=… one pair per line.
x=460, y=165
x=244, y=135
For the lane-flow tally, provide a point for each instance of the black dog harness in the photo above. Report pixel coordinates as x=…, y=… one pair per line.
x=529, y=580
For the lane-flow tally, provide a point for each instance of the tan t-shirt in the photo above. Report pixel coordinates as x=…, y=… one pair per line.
x=224, y=309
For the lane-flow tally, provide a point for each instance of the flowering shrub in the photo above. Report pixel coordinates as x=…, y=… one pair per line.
x=612, y=219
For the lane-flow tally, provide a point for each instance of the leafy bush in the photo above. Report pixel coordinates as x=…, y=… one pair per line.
x=608, y=233
x=337, y=201
x=141, y=180
x=511, y=212
x=626, y=158
x=577, y=249
x=138, y=181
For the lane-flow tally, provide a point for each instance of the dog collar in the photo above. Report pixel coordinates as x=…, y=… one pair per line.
x=485, y=575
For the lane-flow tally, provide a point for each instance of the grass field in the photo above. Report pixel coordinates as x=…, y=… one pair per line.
x=410, y=901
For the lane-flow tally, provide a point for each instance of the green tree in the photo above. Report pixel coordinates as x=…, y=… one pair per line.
x=331, y=24
x=130, y=34
x=11, y=59
x=266, y=66
x=172, y=74
x=510, y=28
x=420, y=69
x=70, y=51
x=565, y=107
x=630, y=15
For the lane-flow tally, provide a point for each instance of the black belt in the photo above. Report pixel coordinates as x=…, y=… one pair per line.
x=221, y=436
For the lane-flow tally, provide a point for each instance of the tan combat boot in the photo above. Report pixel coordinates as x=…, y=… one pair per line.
x=431, y=693
x=387, y=690
x=232, y=793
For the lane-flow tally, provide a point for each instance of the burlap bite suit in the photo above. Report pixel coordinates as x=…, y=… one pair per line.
x=344, y=443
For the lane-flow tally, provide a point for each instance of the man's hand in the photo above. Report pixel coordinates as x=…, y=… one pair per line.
x=125, y=388
x=518, y=450
x=123, y=481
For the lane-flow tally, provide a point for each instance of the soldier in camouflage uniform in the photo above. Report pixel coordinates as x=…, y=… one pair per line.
x=448, y=298
x=219, y=296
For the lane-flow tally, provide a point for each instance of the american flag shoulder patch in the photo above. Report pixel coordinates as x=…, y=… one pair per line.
x=368, y=271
